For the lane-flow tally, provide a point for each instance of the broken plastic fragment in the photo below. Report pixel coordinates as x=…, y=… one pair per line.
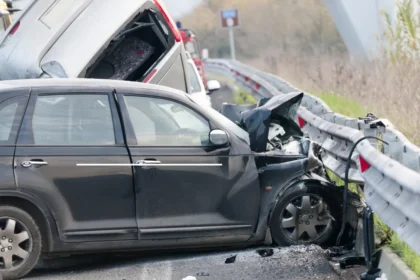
x=231, y=259
x=265, y=252
x=189, y=278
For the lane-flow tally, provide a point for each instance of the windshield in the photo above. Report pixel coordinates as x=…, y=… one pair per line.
x=231, y=126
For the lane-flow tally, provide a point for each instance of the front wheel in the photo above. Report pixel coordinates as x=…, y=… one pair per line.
x=308, y=214
x=20, y=243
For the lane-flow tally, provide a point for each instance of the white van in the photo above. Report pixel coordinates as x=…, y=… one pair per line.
x=133, y=40
x=199, y=92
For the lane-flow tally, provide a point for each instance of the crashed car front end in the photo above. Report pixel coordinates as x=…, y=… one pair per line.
x=273, y=133
x=302, y=203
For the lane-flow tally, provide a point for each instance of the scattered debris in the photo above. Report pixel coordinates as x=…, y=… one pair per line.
x=265, y=252
x=231, y=259
x=203, y=274
x=189, y=278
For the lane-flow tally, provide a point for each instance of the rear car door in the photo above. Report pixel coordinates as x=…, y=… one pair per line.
x=192, y=188
x=71, y=154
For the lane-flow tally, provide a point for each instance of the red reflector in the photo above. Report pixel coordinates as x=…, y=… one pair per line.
x=246, y=79
x=150, y=76
x=169, y=20
x=301, y=122
x=364, y=165
x=15, y=28
x=257, y=86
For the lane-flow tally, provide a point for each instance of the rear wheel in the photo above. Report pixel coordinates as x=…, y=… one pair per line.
x=306, y=215
x=20, y=242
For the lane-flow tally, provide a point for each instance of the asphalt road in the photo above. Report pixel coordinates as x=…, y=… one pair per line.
x=225, y=94
x=285, y=263
x=291, y=263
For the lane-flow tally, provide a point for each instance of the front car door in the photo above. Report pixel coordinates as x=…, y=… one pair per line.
x=185, y=186
x=65, y=145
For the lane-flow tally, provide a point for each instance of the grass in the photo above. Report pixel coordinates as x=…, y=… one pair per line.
x=243, y=97
x=240, y=96
x=342, y=105
x=339, y=182
x=386, y=236
x=405, y=253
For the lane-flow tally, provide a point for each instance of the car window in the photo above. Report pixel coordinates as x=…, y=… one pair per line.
x=162, y=122
x=8, y=111
x=194, y=79
x=73, y=120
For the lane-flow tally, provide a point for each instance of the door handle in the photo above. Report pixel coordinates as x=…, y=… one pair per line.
x=146, y=162
x=30, y=163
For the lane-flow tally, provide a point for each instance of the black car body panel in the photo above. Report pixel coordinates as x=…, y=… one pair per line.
x=209, y=199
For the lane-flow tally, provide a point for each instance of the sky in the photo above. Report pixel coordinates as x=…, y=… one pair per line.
x=179, y=7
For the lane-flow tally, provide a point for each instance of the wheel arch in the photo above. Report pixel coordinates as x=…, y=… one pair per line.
x=302, y=182
x=38, y=210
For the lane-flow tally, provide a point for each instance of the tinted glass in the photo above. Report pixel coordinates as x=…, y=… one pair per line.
x=73, y=120
x=161, y=122
x=8, y=111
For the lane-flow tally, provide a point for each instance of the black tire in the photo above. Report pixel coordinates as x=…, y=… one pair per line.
x=33, y=244
x=331, y=197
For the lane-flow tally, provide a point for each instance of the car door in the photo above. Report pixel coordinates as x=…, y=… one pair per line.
x=71, y=154
x=185, y=186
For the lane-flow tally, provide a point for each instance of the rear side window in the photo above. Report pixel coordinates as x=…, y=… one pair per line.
x=11, y=112
x=70, y=120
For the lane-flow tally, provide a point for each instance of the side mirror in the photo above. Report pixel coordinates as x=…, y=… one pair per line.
x=219, y=137
x=212, y=86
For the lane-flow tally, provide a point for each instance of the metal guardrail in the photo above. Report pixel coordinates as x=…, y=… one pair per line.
x=390, y=173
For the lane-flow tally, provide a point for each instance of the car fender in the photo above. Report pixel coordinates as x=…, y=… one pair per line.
x=310, y=179
x=274, y=179
x=51, y=228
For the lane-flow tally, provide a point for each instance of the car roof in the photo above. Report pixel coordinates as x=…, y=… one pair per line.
x=98, y=84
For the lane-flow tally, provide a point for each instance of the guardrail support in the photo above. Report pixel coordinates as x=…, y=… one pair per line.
x=373, y=272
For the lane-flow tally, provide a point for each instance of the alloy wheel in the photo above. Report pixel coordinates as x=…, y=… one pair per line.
x=305, y=218
x=15, y=243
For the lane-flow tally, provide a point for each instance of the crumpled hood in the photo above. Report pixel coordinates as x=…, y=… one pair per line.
x=255, y=119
